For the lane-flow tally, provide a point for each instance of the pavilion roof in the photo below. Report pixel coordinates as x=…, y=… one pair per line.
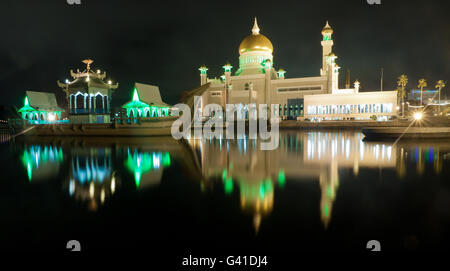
x=43, y=101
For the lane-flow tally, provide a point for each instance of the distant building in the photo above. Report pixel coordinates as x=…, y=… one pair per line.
x=88, y=95
x=428, y=96
x=40, y=108
x=146, y=103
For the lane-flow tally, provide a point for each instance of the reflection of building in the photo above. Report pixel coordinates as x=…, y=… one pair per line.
x=92, y=179
x=256, y=81
x=147, y=167
x=88, y=95
x=146, y=102
x=42, y=162
x=40, y=108
x=240, y=164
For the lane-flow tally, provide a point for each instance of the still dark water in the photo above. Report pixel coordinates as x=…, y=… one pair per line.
x=317, y=191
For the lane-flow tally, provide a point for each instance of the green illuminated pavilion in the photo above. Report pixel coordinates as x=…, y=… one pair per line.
x=146, y=103
x=40, y=107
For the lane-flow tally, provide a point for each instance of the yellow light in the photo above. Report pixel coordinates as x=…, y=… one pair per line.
x=109, y=82
x=418, y=115
x=51, y=117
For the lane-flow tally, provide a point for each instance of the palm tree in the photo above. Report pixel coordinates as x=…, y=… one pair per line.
x=421, y=85
x=402, y=82
x=439, y=85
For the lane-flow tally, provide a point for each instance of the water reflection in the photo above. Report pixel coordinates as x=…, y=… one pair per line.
x=92, y=179
x=41, y=162
x=147, y=167
x=304, y=156
x=93, y=170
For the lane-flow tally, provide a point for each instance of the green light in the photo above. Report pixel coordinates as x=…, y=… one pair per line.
x=140, y=163
x=262, y=191
x=137, y=178
x=26, y=100
x=281, y=178
x=326, y=210
x=136, y=95
x=29, y=172
x=227, y=67
x=203, y=69
x=228, y=186
x=224, y=174
x=36, y=156
x=281, y=73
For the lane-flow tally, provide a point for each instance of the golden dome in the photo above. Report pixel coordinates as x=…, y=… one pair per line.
x=256, y=42
x=327, y=29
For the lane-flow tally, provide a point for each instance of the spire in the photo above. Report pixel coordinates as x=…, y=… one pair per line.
x=255, y=29
x=135, y=95
x=88, y=63
x=327, y=29
x=26, y=100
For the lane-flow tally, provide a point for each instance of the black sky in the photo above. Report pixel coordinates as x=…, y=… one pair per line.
x=164, y=42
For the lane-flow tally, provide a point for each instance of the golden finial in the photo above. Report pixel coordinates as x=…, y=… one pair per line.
x=88, y=63
x=255, y=29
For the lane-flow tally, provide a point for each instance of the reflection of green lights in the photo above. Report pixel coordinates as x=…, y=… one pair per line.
x=265, y=188
x=137, y=178
x=36, y=156
x=29, y=172
x=228, y=186
x=224, y=174
x=140, y=163
x=326, y=210
x=329, y=191
x=281, y=178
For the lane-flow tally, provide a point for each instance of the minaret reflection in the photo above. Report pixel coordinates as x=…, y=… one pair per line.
x=301, y=156
x=41, y=161
x=92, y=179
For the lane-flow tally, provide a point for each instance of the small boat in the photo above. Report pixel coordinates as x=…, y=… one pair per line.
x=160, y=126
x=406, y=133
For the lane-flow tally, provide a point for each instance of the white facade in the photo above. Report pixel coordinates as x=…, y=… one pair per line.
x=351, y=106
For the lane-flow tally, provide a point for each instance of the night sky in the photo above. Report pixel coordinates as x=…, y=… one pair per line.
x=164, y=42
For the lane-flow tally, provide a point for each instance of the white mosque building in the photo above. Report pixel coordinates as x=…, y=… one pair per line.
x=256, y=81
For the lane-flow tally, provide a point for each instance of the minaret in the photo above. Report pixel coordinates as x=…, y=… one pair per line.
x=327, y=47
x=203, y=75
x=227, y=71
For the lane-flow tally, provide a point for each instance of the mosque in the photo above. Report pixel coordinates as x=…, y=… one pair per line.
x=257, y=81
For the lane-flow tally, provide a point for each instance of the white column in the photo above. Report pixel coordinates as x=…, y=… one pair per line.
x=103, y=102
